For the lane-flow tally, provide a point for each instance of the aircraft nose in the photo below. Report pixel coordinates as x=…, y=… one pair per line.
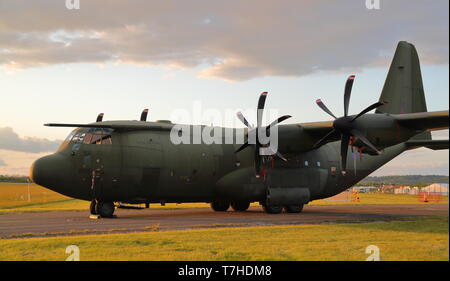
x=50, y=171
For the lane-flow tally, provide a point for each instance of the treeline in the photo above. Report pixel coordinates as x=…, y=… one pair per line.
x=13, y=178
x=415, y=180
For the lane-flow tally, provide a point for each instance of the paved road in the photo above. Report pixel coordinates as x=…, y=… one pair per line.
x=78, y=222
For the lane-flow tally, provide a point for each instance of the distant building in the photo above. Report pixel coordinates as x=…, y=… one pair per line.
x=365, y=189
x=387, y=188
x=441, y=188
x=406, y=189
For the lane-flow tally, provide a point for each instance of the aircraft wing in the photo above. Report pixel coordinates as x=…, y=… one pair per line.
x=139, y=126
x=424, y=121
x=317, y=130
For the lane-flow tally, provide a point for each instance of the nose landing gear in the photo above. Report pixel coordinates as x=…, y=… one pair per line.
x=104, y=209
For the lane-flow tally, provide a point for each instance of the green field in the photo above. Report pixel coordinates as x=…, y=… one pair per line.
x=423, y=238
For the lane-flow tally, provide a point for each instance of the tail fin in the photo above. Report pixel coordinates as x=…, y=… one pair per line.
x=403, y=89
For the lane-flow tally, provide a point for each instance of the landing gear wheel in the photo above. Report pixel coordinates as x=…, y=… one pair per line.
x=293, y=208
x=240, y=206
x=105, y=209
x=270, y=209
x=220, y=206
x=93, y=207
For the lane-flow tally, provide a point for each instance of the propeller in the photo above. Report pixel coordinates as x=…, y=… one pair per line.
x=252, y=130
x=99, y=117
x=345, y=125
x=144, y=115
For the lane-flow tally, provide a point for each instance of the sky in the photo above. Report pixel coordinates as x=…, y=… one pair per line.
x=119, y=57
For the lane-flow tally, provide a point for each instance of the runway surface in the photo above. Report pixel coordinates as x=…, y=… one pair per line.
x=78, y=222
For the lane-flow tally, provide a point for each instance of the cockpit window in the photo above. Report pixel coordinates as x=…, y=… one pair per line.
x=78, y=137
x=70, y=136
x=98, y=136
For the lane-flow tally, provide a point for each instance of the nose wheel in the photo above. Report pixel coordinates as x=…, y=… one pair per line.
x=103, y=208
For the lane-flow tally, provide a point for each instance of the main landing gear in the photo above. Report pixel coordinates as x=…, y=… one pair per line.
x=223, y=206
x=271, y=209
x=241, y=206
x=104, y=209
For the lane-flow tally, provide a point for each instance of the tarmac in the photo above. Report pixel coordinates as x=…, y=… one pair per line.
x=21, y=225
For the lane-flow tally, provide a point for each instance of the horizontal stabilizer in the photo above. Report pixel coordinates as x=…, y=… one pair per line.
x=431, y=144
x=424, y=121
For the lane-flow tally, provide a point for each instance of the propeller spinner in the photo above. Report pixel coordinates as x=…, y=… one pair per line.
x=258, y=145
x=345, y=125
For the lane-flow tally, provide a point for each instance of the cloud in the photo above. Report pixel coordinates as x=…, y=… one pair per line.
x=17, y=163
x=9, y=140
x=420, y=161
x=230, y=40
x=2, y=163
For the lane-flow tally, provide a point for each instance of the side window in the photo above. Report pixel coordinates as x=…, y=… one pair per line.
x=107, y=139
x=87, y=138
x=96, y=139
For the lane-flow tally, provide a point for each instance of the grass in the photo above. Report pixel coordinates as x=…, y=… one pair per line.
x=14, y=199
x=17, y=195
x=424, y=238
x=380, y=198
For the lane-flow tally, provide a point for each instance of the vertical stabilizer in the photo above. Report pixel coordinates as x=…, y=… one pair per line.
x=403, y=89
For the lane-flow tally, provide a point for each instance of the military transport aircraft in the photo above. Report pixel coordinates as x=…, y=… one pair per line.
x=120, y=163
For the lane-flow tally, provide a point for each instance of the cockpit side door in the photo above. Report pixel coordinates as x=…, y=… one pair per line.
x=97, y=155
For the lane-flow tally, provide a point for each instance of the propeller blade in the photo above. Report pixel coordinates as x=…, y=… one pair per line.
x=281, y=156
x=144, y=115
x=344, y=149
x=279, y=120
x=322, y=140
x=259, y=113
x=277, y=153
x=324, y=108
x=241, y=117
x=361, y=137
x=369, y=108
x=242, y=147
x=347, y=93
x=99, y=118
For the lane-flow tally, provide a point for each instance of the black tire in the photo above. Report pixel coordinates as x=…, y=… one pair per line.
x=105, y=209
x=93, y=207
x=270, y=209
x=240, y=206
x=220, y=206
x=294, y=209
